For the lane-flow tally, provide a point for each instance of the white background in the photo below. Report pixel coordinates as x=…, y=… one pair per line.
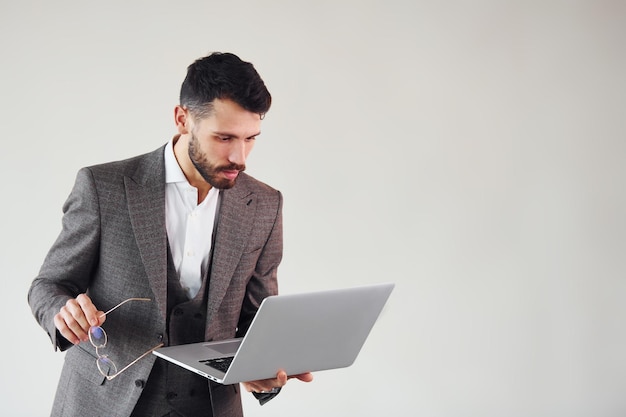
x=473, y=152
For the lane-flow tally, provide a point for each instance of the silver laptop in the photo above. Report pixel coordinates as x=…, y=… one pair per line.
x=295, y=332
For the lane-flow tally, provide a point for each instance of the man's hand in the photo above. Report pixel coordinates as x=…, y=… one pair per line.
x=265, y=385
x=76, y=317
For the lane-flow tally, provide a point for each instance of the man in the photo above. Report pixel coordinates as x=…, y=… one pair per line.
x=182, y=226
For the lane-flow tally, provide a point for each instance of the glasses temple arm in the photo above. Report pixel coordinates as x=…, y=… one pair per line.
x=110, y=377
x=122, y=303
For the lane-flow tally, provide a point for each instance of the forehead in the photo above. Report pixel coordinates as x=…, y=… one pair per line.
x=230, y=116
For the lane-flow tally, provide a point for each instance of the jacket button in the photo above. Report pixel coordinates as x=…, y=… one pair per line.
x=140, y=383
x=160, y=337
x=171, y=395
x=178, y=312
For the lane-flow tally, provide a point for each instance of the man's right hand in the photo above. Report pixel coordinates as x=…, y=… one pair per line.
x=76, y=317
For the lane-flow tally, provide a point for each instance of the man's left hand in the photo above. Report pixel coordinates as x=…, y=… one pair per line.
x=267, y=385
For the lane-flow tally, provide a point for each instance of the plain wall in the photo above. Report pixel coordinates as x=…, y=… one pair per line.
x=472, y=152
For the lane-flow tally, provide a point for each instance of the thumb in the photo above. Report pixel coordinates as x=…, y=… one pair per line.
x=100, y=318
x=282, y=377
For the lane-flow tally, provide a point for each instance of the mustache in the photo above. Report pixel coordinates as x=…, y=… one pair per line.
x=231, y=167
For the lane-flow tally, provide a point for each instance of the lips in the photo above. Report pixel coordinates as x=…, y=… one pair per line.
x=231, y=174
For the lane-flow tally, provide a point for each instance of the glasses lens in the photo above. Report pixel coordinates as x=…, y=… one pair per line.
x=106, y=366
x=97, y=336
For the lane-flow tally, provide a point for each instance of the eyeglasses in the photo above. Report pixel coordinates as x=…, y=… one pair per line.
x=98, y=338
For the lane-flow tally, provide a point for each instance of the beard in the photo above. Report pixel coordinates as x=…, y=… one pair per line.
x=209, y=171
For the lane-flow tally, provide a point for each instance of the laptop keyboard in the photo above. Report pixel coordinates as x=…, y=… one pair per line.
x=221, y=364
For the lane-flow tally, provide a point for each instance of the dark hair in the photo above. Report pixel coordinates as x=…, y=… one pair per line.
x=223, y=76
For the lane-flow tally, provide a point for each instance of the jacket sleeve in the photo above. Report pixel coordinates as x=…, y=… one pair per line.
x=67, y=269
x=264, y=397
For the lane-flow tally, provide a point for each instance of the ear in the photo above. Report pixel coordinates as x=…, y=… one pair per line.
x=182, y=120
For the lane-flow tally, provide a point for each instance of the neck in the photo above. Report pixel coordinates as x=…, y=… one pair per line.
x=181, y=152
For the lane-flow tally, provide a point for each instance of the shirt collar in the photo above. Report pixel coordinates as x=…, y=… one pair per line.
x=173, y=173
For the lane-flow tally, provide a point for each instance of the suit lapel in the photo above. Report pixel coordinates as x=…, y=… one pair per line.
x=235, y=220
x=145, y=191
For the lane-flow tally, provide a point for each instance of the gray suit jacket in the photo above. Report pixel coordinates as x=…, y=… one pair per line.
x=113, y=246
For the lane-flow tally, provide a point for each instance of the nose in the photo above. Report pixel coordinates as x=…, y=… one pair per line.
x=238, y=152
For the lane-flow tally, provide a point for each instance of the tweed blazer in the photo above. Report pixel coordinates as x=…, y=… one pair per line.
x=113, y=245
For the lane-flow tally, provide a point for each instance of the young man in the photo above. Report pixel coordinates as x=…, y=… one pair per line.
x=182, y=226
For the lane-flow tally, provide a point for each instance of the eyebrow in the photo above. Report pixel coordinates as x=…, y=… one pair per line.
x=218, y=133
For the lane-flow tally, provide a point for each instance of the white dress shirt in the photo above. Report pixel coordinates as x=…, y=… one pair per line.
x=189, y=224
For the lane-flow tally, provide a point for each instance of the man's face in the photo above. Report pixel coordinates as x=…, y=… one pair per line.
x=220, y=143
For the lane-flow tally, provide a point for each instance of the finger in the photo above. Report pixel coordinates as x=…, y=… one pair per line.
x=73, y=310
x=247, y=386
x=281, y=378
x=262, y=385
x=255, y=387
x=305, y=377
x=68, y=321
x=89, y=310
x=75, y=319
x=65, y=331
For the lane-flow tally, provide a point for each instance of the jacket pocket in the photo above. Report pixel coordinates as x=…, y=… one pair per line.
x=79, y=360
